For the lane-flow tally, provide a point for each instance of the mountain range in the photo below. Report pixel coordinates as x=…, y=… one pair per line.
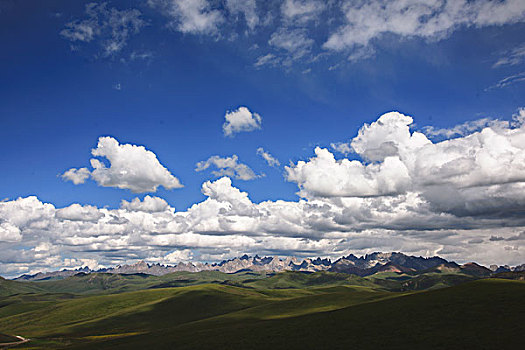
x=361, y=266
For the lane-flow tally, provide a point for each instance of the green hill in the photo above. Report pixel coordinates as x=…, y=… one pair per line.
x=258, y=310
x=480, y=314
x=484, y=314
x=4, y=338
x=104, y=283
x=285, y=280
x=8, y=287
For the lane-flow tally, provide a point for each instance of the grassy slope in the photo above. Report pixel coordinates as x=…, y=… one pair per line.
x=287, y=310
x=8, y=287
x=96, y=318
x=431, y=280
x=487, y=314
x=4, y=338
x=301, y=280
x=20, y=303
x=104, y=283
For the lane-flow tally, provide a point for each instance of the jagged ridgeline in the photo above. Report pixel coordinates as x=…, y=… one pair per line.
x=361, y=266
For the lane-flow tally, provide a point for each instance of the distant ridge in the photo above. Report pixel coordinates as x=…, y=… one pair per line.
x=366, y=265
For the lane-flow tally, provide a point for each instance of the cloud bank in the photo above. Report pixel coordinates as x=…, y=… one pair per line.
x=461, y=198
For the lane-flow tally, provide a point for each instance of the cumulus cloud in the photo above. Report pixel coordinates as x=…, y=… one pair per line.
x=9, y=233
x=148, y=204
x=461, y=198
x=270, y=160
x=369, y=20
x=227, y=166
x=324, y=176
x=131, y=167
x=397, y=160
x=178, y=256
x=190, y=16
x=77, y=176
x=241, y=120
x=109, y=26
x=77, y=212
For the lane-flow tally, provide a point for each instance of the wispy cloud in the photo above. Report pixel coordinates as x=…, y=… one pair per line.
x=270, y=160
x=510, y=80
x=228, y=166
x=511, y=57
x=109, y=27
x=369, y=20
x=299, y=31
x=342, y=147
x=465, y=128
x=190, y=16
x=248, y=8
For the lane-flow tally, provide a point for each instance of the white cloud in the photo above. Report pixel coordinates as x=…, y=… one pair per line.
x=228, y=166
x=77, y=212
x=178, y=256
x=512, y=79
x=271, y=160
x=397, y=161
x=112, y=27
x=9, y=233
x=190, y=16
x=386, y=136
x=268, y=59
x=294, y=41
x=518, y=119
x=241, y=120
x=247, y=8
x=148, y=204
x=369, y=20
x=361, y=53
x=77, y=176
x=140, y=55
x=511, y=57
x=302, y=10
x=341, y=147
x=465, y=128
x=323, y=176
x=406, y=193
x=131, y=167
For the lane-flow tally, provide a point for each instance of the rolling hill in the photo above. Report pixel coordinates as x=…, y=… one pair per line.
x=482, y=314
x=443, y=306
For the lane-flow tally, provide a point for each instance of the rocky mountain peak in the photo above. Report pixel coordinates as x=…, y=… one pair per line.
x=361, y=266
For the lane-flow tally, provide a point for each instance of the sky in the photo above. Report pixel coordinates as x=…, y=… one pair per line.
x=200, y=130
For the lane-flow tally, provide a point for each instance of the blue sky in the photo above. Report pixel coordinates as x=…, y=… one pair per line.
x=163, y=74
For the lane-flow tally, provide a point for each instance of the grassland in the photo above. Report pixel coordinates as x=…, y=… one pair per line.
x=257, y=310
